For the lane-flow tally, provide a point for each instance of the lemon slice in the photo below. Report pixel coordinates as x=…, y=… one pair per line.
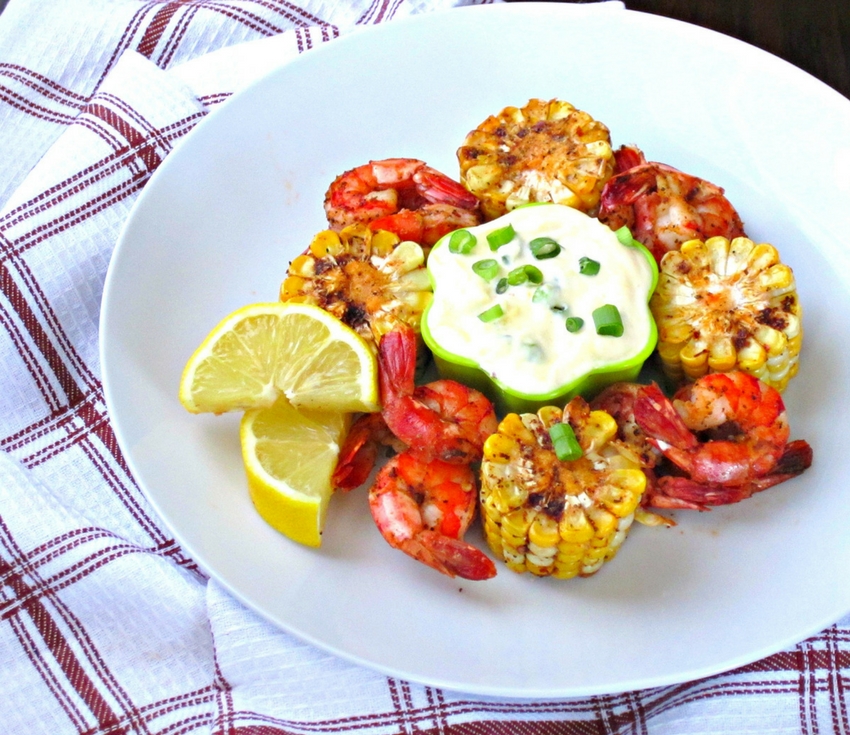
x=289, y=456
x=262, y=350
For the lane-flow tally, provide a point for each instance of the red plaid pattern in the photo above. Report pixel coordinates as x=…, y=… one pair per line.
x=106, y=626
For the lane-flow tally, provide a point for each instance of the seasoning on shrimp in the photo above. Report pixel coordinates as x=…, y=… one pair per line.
x=443, y=420
x=369, y=280
x=424, y=508
x=722, y=306
x=401, y=195
x=543, y=152
x=663, y=207
x=424, y=499
x=726, y=436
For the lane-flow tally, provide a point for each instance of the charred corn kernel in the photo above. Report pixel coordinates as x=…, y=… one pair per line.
x=599, y=430
x=499, y=448
x=543, y=152
x=369, y=280
x=723, y=305
x=325, y=243
x=553, y=517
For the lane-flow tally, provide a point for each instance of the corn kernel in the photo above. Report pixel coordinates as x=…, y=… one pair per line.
x=500, y=448
x=543, y=531
x=722, y=355
x=513, y=427
x=326, y=243
x=575, y=526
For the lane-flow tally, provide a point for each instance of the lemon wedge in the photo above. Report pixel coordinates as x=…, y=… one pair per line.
x=289, y=456
x=264, y=350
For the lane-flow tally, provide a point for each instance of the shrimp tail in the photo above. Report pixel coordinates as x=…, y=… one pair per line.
x=796, y=458
x=451, y=556
x=440, y=189
x=655, y=414
x=355, y=464
x=396, y=366
x=684, y=493
x=359, y=451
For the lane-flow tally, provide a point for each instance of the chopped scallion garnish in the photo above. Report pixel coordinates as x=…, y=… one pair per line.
x=488, y=269
x=502, y=286
x=565, y=443
x=525, y=273
x=500, y=237
x=462, y=241
x=544, y=247
x=574, y=323
x=608, y=321
x=517, y=276
x=624, y=236
x=494, y=312
x=534, y=274
x=588, y=266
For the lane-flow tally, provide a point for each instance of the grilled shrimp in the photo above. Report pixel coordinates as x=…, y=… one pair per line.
x=664, y=207
x=424, y=508
x=401, y=195
x=726, y=436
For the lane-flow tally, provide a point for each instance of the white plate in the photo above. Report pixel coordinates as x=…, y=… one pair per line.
x=216, y=228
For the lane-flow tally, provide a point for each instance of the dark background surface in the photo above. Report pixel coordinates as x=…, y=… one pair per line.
x=811, y=34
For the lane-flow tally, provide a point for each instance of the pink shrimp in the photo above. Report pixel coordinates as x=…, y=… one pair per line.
x=424, y=508
x=727, y=433
x=404, y=196
x=664, y=207
x=360, y=450
x=441, y=420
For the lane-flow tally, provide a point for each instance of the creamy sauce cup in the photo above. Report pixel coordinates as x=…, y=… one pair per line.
x=519, y=373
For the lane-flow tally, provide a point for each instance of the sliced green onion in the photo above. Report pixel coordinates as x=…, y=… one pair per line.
x=488, y=269
x=462, y=241
x=565, y=443
x=534, y=274
x=500, y=237
x=525, y=273
x=494, y=312
x=574, y=323
x=517, y=276
x=608, y=321
x=624, y=236
x=542, y=294
x=502, y=286
x=588, y=266
x=544, y=247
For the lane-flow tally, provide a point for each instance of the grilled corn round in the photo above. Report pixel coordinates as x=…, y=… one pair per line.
x=724, y=305
x=369, y=280
x=548, y=516
x=543, y=152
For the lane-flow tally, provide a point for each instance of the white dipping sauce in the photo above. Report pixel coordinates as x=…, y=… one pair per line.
x=528, y=348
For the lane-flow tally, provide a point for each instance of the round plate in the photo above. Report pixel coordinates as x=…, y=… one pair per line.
x=219, y=222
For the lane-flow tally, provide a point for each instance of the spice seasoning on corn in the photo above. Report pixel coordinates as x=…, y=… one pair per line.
x=558, y=495
x=723, y=305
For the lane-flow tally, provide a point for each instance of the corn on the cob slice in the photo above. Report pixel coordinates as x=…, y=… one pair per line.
x=371, y=281
x=543, y=152
x=724, y=305
x=553, y=517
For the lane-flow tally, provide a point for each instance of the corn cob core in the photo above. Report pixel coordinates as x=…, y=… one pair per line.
x=369, y=280
x=553, y=517
x=543, y=152
x=723, y=305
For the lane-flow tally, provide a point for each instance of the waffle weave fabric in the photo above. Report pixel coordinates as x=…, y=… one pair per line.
x=106, y=624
